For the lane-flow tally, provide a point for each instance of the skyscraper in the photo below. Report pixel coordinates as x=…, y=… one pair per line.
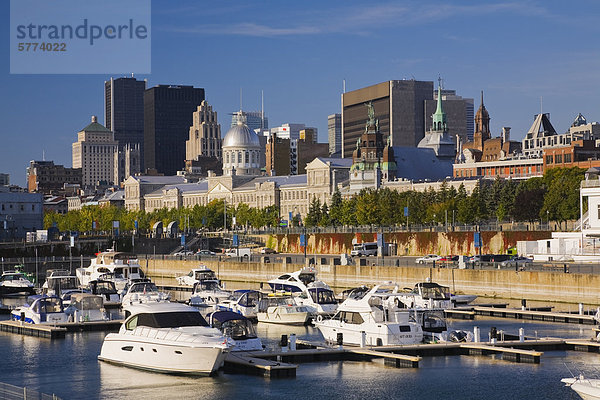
x=94, y=152
x=254, y=120
x=399, y=108
x=124, y=110
x=168, y=112
x=204, y=138
x=334, y=130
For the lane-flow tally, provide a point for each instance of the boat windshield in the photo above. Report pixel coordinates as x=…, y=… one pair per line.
x=435, y=292
x=12, y=277
x=48, y=305
x=204, y=275
x=143, y=287
x=167, y=320
x=306, y=278
x=322, y=296
x=208, y=285
x=105, y=288
x=237, y=329
x=247, y=299
x=358, y=293
x=62, y=283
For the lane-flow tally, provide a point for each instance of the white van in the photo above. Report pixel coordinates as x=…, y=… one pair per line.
x=238, y=252
x=364, y=249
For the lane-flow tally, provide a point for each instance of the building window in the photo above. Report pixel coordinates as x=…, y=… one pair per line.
x=567, y=158
x=239, y=157
x=549, y=159
x=558, y=159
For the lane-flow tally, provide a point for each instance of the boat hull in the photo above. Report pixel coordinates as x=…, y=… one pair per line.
x=16, y=290
x=587, y=389
x=283, y=318
x=152, y=355
x=379, y=335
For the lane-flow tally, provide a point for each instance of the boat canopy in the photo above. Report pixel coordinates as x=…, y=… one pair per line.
x=232, y=324
x=86, y=301
x=166, y=320
x=322, y=296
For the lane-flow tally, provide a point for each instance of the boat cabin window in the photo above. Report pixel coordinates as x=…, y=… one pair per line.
x=103, y=270
x=105, y=288
x=284, y=277
x=48, y=305
x=435, y=292
x=171, y=319
x=307, y=278
x=63, y=283
x=404, y=328
x=237, y=329
x=247, y=299
x=322, y=296
x=203, y=275
x=119, y=273
x=143, y=287
x=132, y=323
x=207, y=285
x=88, y=303
x=349, y=317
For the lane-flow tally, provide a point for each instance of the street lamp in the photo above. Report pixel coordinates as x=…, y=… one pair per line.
x=548, y=219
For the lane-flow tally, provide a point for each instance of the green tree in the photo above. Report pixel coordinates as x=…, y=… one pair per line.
x=314, y=213
x=335, y=211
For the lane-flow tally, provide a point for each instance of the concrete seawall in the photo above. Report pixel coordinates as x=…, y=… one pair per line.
x=534, y=285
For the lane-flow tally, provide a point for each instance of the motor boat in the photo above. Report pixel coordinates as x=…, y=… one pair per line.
x=111, y=265
x=86, y=307
x=236, y=327
x=41, y=309
x=15, y=283
x=318, y=301
x=142, y=291
x=316, y=295
x=59, y=281
x=298, y=281
x=168, y=338
x=208, y=293
x=588, y=389
x=197, y=275
x=426, y=295
x=244, y=302
x=107, y=290
x=462, y=299
x=371, y=317
x=67, y=295
x=278, y=308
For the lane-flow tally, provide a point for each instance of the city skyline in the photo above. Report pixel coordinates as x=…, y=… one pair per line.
x=526, y=56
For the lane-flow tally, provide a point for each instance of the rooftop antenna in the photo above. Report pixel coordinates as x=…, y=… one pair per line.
x=541, y=104
x=262, y=111
x=240, y=99
x=439, y=81
x=344, y=86
x=43, y=155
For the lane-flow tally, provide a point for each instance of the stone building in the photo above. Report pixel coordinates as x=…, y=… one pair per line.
x=94, y=152
x=241, y=151
x=205, y=134
x=49, y=178
x=438, y=138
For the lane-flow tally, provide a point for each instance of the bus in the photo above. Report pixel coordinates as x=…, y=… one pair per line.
x=364, y=249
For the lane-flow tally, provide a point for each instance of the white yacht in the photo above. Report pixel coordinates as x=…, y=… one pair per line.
x=15, y=283
x=426, y=295
x=41, y=309
x=587, y=389
x=107, y=290
x=168, y=338
x=111, y=265
x=86, y=307
x=142, y=291
x=314, y=294
x=244, y=302
x=236, y=327
x=372, y=318
x=280, y=309
x=208, y=293
x=197, y=275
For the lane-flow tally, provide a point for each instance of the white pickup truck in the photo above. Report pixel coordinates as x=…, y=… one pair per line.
x=238, y=252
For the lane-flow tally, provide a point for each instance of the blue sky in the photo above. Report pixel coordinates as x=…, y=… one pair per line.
x=299, y=53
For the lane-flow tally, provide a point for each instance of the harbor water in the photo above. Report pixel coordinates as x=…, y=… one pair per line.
x=69, y=369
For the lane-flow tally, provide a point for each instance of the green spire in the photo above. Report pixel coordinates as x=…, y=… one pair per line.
x=439, y=118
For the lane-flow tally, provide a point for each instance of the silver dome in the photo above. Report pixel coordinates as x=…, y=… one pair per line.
x=241, y=136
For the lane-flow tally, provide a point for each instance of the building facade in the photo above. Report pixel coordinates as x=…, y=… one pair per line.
x=168, y=113
x=128, y=161
x=94, y=153
x=124, y=111
x=399, y=107
x=241, y=151
x=20, y=212
x=334, y=133
x=4, y=179
x=292, y=131
x=256, y=120
x=48, y=178
x=290, y=156
x=204, y=139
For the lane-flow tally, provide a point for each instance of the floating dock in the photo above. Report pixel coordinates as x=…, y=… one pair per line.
x=532, y=315
x=37, y=330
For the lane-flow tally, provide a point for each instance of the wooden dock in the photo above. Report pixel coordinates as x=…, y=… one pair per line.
x=508, y=353
x=37, y=330
x=528, y=314
x=246, y=363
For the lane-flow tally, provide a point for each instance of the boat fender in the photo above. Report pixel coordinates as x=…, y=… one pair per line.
x=319, y=318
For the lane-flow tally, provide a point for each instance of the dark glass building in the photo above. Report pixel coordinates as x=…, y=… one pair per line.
x=399, y=106
x=124, y=110
x=168, y=112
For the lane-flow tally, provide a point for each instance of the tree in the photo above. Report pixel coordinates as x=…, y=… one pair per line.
x=335, y=211
x=561, y=202
x=325, y=220
x=314, y=213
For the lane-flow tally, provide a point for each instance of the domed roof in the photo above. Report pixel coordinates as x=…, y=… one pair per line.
x=241, y=136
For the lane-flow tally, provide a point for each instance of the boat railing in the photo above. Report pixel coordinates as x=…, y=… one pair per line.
x=8, y=391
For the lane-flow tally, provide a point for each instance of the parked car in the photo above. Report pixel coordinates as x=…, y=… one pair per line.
x=267, y=250
x=449, y=259
x=428, y=259
x=481, y=258
x=238, y=252
x=184, y=253
x=519, y=262
x=205, y=253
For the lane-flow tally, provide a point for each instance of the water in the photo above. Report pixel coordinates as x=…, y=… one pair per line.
x=69, y=368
